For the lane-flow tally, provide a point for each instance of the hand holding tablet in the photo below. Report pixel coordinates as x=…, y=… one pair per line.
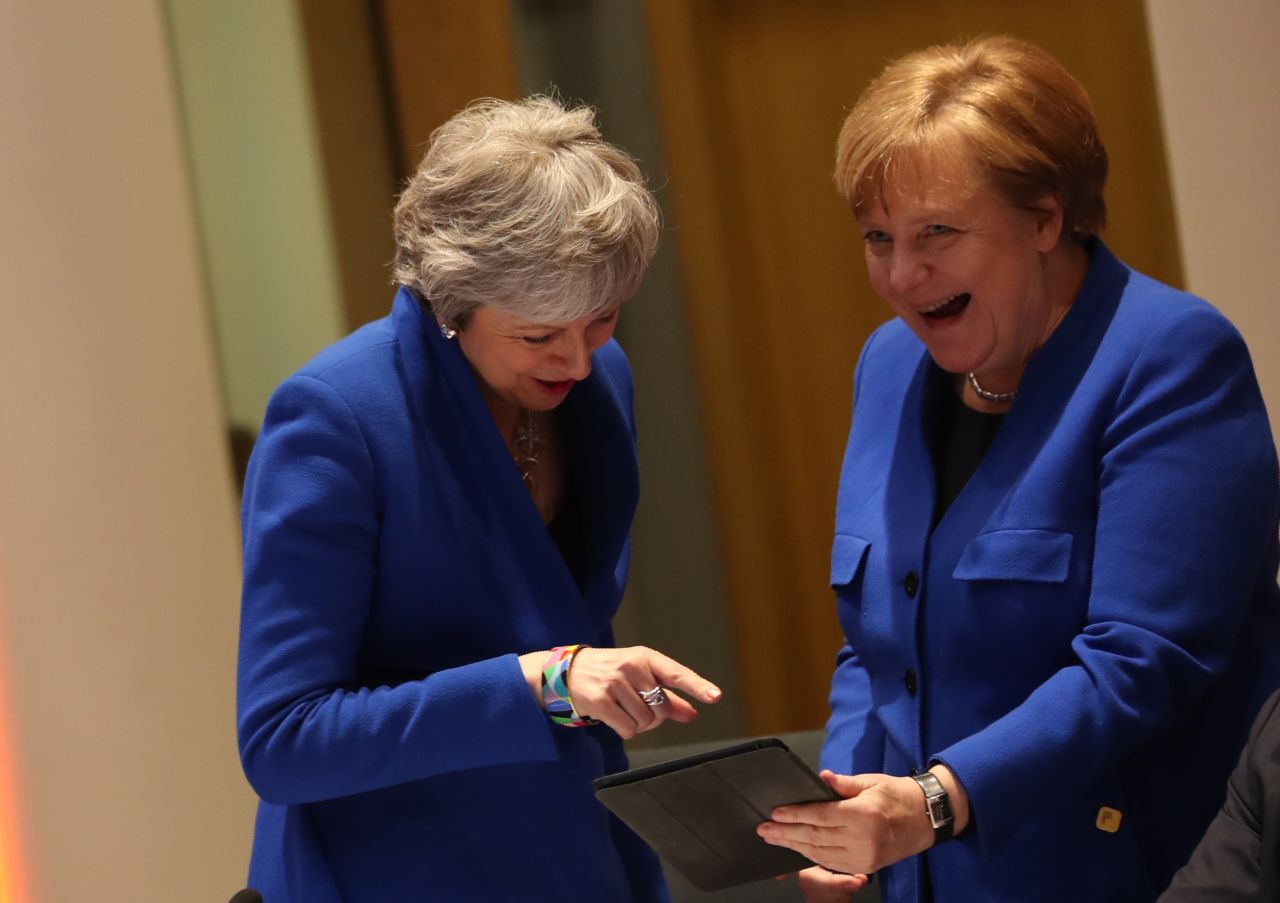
x=700, y=812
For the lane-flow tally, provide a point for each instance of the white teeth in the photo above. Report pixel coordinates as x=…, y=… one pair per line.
x=941, y=304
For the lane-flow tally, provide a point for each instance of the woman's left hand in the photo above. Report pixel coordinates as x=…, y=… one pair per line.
x=818, y=885
x=880, y=821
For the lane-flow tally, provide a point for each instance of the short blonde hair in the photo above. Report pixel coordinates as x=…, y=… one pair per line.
x=524, y=206
x=999, y=107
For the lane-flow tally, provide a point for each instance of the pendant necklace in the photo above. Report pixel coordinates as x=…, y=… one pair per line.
x=525, y=450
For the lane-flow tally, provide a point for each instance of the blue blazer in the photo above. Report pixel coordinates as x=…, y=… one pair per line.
x=1085, y=635
x=395, y=567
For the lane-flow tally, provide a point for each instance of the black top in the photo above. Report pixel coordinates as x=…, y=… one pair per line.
x=962, y=439
x=566, y=532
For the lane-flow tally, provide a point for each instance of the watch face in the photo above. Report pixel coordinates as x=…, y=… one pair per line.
x=939, y=811
x=937, y=805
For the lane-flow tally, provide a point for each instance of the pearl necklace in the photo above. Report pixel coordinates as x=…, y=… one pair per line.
x=993, y=397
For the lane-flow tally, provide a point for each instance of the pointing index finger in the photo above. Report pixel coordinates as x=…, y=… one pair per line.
x=670, y=673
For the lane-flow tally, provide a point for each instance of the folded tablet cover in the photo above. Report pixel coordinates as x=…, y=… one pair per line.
x=700, y=813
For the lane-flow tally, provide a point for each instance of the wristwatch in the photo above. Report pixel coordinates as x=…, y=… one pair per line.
x=937, y=805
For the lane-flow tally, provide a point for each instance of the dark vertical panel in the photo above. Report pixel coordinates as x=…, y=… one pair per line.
x=356, y=137
x=442, y=55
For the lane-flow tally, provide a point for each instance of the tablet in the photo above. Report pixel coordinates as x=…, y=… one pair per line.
x=700, y=812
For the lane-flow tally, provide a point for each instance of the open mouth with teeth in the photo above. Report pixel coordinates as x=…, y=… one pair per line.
x=949, y=308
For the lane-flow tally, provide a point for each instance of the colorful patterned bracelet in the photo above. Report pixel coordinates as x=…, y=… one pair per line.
x=555, y=687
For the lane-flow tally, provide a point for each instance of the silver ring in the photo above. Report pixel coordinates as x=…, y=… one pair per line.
x=655, y=697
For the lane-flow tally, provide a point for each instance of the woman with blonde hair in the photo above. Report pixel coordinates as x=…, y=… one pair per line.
x=1056, y=530
x=436, y=521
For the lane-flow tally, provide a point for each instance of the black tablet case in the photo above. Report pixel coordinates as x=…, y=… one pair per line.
x=700, y=812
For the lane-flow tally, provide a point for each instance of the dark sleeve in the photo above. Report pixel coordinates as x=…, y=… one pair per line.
x=1228, y=863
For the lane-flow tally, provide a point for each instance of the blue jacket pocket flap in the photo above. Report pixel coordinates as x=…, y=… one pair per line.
x=847, y=554
x=1042, y=556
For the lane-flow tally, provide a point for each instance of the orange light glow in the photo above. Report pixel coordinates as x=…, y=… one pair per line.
x=13, y=883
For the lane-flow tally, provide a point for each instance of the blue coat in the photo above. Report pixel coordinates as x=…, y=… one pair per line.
x=395, y=567
x=1087, y=632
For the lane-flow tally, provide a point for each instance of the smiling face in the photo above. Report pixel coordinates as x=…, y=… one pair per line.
x=532, y=365
x=967, y=271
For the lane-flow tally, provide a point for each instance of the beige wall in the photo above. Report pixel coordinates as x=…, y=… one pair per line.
x=118, y=547
x=1219, y=80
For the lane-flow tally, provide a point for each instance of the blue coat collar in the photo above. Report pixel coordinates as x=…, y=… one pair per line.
x=1051, y=378
x=454, y=424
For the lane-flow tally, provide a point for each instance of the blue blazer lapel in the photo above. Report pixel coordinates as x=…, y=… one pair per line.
x=1052, y=376
x=489, y=501
x=1056, y=369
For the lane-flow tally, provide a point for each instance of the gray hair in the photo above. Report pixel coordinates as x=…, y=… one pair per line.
x=523, y=206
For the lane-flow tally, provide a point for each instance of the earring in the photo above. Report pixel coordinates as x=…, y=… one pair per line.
x=447, y=331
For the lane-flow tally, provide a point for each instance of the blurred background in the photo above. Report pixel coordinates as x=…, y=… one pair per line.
x=195, y=196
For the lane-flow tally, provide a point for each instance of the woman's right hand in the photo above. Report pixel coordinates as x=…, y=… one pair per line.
x=821, y=886
x=605, y=684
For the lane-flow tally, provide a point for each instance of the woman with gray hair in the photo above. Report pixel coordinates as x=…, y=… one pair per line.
x=436, y=521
